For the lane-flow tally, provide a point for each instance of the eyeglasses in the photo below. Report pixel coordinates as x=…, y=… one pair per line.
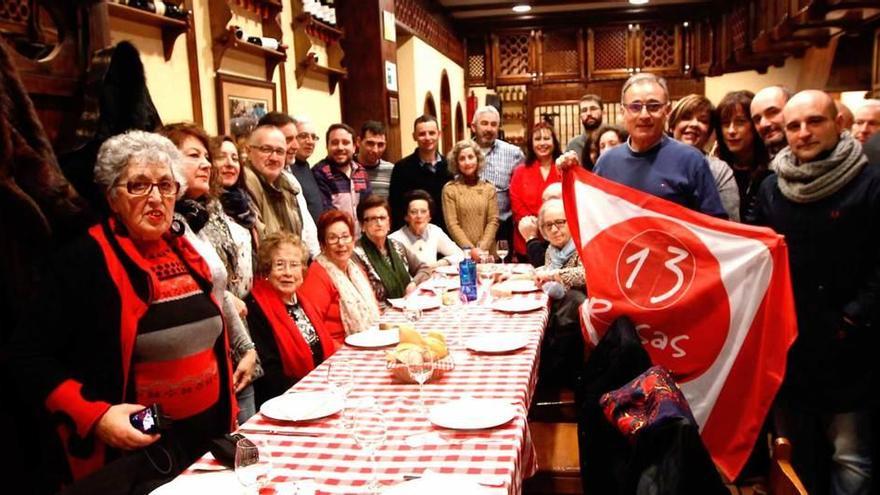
x=376, y=219
x=654, y=107
x=556, y=223
x=306, y=135
x=342, y=239
x=268, y=150
x=145, y=188
x=281, y=265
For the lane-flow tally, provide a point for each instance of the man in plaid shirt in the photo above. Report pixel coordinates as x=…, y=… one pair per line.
x=343, y=182
x=501, y=158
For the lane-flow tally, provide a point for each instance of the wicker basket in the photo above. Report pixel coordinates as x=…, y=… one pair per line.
x=400, y=372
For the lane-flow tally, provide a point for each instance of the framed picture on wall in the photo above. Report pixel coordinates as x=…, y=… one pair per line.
x=393, y=109
x=241, y=102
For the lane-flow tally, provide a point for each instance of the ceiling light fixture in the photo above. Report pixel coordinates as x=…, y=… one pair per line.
x=638, y=2
x=521, y=9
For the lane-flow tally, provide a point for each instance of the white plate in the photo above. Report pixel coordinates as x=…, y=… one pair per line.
x=523, y=269
x=517, y=305
x=423, y=302
x=472, y=414
x=373, y=338
x=497, y=342
x=435, y=285
x=302, y=406
x=439, y=484
x=517, y=285
x=447, y=269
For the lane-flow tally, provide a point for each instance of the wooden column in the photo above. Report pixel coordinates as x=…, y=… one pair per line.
x=364, y=95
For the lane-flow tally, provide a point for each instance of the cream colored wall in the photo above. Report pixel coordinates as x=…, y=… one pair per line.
x=419, y=68
x=787, y=75
x=169, y=82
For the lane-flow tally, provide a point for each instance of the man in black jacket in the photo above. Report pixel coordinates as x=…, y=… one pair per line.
x=424, y=169
x=826, y=202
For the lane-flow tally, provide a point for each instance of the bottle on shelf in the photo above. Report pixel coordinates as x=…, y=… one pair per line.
x=147, y=5
x=175, y=11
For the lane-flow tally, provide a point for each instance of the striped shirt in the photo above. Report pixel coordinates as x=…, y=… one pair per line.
x=501, y=158
x=380, y=176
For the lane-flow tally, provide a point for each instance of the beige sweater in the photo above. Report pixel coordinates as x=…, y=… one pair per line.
x=471, y=213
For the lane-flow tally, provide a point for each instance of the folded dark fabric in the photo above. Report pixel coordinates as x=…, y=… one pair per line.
x=651, y=399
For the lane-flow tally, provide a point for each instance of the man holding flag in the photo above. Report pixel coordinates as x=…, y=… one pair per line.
x=711, y=300
x=826, y=202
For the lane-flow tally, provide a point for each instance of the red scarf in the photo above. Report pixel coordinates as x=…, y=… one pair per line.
x=296, y=355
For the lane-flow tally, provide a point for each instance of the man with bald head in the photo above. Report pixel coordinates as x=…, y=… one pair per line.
x=274, y=195
x=866, y=120
x=826, y=202
x=766, y=113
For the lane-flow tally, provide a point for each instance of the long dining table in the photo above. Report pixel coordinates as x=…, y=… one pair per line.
x=323, y=454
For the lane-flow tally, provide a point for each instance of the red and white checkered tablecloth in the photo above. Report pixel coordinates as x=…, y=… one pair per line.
x=338, y=465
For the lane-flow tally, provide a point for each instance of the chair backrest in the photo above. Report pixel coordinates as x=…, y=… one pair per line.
x=783, y=479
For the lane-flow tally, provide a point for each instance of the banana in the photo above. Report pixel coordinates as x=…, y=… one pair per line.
x=408, y=334
x=437, y=347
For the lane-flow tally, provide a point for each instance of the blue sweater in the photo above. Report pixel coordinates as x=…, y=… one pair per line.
x=671, y=170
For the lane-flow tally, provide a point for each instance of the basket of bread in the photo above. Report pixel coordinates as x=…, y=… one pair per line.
x=410, y=347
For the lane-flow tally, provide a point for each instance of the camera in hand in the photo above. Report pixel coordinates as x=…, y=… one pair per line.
x=149, y=420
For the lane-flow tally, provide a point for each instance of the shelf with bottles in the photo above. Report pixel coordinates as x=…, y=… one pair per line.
x=171, y=18
x=266, y=45
x=316, y=35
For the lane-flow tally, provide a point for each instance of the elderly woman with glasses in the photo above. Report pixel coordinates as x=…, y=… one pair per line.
x=290, y=335
x=561, y=261
x=131, y=322
x=336, y=284
x=393, y=269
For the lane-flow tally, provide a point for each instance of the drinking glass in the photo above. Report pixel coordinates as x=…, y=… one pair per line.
x=420, y=364
x=340, y=374
x=503, y=249
x=252, y=468
x=370, y=430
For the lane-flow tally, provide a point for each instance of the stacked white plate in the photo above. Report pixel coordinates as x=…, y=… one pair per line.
x=472, y=414
x=496, y=343
x=517, y=305
x=422, y=302
x=373, y=338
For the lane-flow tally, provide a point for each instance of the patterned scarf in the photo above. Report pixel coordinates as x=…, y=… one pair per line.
x=558, y=256
x=357, y=304
x=237, y=204
x=394, y=274
x=812, y=181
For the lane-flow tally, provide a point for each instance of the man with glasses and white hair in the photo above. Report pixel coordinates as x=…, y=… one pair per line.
x=501, y=158
x=305, y=147
x=653, y=162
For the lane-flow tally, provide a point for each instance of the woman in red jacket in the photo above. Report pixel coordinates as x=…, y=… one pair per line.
x=291, y=338
x=338, y=287
x=530, y=180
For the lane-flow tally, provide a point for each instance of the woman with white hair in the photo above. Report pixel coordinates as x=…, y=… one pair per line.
x=561, y=261
x=125, y=319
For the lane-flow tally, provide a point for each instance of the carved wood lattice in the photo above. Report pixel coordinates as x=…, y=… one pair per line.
x=15, y=12
x=476, y=61
x=609, y=47
x=658, y=46
x=433, y=27
x=514, y=55
x=560, y=52
x=738, y=18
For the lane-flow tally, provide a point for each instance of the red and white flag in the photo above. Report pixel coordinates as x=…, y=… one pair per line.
x=711, y=300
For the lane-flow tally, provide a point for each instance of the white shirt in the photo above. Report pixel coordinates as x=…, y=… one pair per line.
x=429, y=244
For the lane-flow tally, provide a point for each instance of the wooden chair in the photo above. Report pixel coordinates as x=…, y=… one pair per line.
x=783, y=479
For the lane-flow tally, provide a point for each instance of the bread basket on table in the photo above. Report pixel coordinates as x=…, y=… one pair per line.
x=400, y=372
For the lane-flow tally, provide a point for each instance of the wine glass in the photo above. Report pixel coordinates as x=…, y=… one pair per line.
x=341, y=375
x=412, y=309
x=503, y=249
x=370, y=430
x=252, y=467
x=420, y=364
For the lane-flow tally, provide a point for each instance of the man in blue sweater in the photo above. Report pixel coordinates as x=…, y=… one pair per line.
x=651, y=161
